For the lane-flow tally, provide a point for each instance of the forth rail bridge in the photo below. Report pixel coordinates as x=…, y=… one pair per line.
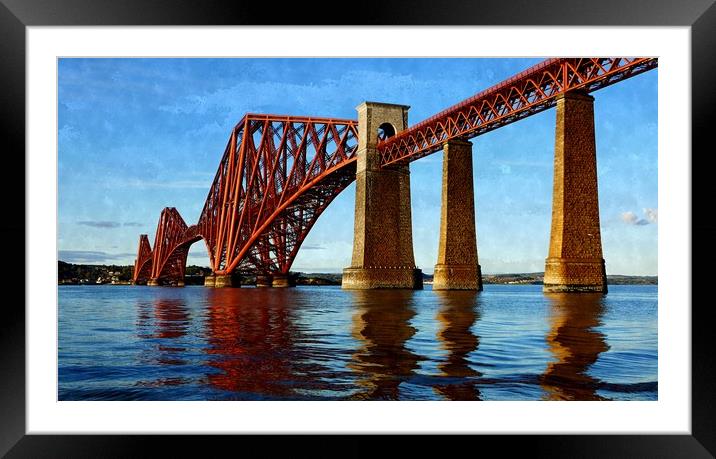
x=279, y=173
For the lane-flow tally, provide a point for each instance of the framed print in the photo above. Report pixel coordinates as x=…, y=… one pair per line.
x=291, y=368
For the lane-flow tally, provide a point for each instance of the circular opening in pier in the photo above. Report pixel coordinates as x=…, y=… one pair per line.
x=385, y=131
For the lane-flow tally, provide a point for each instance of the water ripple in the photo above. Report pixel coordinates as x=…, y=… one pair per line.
x=323, y=343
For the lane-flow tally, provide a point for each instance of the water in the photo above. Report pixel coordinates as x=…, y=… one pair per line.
x=324, y=343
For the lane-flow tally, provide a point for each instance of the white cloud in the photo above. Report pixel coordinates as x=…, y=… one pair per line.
x=631, y=218
x=67, y=133
x=652, y=215
x=100, y=224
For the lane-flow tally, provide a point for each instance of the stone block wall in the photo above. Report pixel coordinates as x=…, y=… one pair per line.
x=383, y=242
x=575, y=261
x=457, y=267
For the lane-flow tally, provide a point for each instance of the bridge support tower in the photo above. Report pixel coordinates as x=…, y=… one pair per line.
x=457, y=267
x=282, y=281
x=575, y=262
x=276, y=280
x=383, y=238
x=264, y=280
x=226, y=280
x=165, y=282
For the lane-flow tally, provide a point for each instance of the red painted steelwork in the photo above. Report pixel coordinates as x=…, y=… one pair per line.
x=279, y=173
x=171, y=246
x=143, y=263
x=529, y=92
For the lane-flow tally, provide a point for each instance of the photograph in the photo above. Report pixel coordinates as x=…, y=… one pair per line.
x=457, y=220
x=358, y=228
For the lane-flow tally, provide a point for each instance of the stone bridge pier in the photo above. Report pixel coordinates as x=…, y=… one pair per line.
x=383, y=236
x=457, y=267
x=222, y=280
x=277, y=280
x=575, y=262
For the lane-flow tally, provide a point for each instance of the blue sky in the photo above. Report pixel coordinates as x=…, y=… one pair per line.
x=137, y=135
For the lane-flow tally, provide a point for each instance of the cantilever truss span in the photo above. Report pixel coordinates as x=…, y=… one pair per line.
x=276, y=177
x=143, y=263
x=279, y=173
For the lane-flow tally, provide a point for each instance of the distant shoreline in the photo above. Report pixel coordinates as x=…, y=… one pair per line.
x=77, y=274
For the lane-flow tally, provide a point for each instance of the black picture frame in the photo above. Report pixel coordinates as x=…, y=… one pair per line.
x=16, y=15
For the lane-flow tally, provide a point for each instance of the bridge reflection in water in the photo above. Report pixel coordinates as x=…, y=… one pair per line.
x=251, y=337
x=163, y=324
x=284, y=344
x=575, y=345
x=381, y=324
x=323, y=343
x=165, y=318
x=458, y=313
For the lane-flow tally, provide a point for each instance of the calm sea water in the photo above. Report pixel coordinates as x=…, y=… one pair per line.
x=324, y=343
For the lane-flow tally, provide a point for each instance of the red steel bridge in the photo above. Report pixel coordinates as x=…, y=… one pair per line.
x=279, y=173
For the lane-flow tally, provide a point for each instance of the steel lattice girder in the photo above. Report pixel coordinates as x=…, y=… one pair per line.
x=143, y=263
x=529, y=92
x=257, y=208
x=276, y=247
x=170, y=248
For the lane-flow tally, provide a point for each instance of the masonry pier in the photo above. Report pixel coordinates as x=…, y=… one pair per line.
x=575, y=262
x=227, y=280
x=383, y=239
x=282, y=281
x=263, y=280
x=457, y=267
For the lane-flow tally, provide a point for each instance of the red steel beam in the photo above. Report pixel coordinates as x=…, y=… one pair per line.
x=529, y=92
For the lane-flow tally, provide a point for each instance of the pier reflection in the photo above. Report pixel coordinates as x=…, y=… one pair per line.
x=457, y=315
x=575, y=346
x=381, y=323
